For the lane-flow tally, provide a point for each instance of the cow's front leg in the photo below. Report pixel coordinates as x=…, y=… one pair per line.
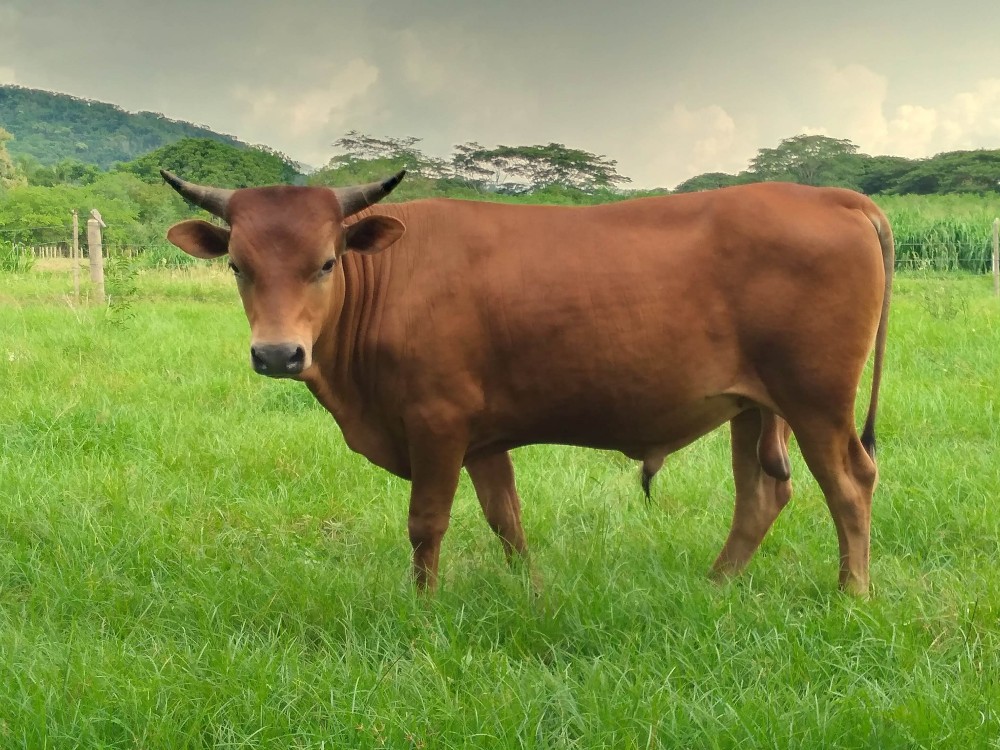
x=435, y=466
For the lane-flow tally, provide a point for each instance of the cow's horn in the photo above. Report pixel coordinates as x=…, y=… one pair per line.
x=359, y=197
x=214, y=200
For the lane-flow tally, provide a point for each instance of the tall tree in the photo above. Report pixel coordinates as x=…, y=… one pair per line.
x=810, y=160
x=213, y=163
x=526, y=168
x=709, y=181
x=953, y=172
x=384, y=152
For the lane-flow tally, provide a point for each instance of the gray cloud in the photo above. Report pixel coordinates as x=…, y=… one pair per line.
x=667, y=90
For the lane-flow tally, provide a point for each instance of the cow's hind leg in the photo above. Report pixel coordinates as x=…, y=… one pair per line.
x=763, y=488
x=847, y=475
x=493, y=478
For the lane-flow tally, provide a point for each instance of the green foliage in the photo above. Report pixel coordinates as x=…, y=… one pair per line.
x=15, y=257
x=10, y=175
x=809, y=160
x=357, y=171
x=818, y=160
x=881, y=174
x=121, y=285
x=521, y=169
x=209, y=162
x=388, y=155
x=942, y=232
x=55, y=127
x=65, y=172
x=952, y=172
x=709, y=181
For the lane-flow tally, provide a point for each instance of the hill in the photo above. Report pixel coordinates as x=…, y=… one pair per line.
x=53, y=127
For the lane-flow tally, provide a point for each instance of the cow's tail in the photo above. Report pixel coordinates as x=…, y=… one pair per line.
x=881, y=223
x=650, y=466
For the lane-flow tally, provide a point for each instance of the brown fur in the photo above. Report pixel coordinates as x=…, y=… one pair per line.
x=636, y=326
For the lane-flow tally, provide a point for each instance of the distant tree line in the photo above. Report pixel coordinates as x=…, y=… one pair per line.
x=834, y=162
x=138, y=207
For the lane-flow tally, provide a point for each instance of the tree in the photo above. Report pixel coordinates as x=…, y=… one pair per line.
x=10, y=175
x=519, y=169
x=709, y=181
x=396, y=153
x=810, y=160
x=65, y=172
x=881, y=174
x=953, y=172
x=210, y=162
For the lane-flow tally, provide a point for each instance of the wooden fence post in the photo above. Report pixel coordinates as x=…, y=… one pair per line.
x=996, y=257
x=75, y=255
x=96, y=250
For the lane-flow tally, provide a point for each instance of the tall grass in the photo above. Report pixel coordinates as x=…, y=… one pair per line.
x=942, y=232
x=191, y=557
x=15, y=258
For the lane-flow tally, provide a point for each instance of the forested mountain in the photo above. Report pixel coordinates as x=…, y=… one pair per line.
x=51, y=128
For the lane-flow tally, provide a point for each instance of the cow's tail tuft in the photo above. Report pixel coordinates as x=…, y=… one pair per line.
x=647, y=481
x=650, y=466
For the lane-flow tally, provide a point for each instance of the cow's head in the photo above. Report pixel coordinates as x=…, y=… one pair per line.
x=285, y=245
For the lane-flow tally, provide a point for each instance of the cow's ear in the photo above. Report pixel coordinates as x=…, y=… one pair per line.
x=373, y=234
x=200, y=239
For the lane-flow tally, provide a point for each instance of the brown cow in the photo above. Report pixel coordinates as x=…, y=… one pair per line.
x=443, y=333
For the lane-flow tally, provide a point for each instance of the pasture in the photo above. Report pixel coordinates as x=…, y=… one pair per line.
x=191, y=557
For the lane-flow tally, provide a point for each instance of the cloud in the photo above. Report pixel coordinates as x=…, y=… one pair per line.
x=852, y=103
x=7, y=76
x=309, y=117
x=683, y=142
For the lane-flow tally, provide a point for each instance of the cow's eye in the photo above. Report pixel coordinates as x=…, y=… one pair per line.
x=234, y=268
x=328, y=266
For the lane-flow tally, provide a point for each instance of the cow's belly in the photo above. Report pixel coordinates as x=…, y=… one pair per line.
x=637, y=429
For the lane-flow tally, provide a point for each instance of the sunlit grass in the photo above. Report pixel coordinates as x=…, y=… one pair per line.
x=191, y=557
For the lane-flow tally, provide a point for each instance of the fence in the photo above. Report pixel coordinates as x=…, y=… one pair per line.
x=932, y=252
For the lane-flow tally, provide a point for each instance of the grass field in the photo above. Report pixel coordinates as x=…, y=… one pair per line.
x=191, y=557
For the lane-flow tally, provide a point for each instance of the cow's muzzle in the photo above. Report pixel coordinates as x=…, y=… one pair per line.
x=278, y=360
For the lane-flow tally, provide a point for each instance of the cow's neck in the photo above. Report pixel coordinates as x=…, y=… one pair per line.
x=345, y=351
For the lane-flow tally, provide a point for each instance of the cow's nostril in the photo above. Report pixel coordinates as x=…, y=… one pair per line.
x=257, y=360
x=298, y=360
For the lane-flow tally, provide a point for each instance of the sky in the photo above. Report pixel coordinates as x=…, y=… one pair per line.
x=667, y=89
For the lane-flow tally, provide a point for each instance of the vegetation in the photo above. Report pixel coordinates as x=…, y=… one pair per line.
x=942, y=232
x=833, y=162
x=191, y=557
x=212, y=163
x=10, y=175
x=53, y=127
x=941, y=207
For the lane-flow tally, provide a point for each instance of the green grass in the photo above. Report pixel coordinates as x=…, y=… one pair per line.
x=191, y=557
x=942, y=232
